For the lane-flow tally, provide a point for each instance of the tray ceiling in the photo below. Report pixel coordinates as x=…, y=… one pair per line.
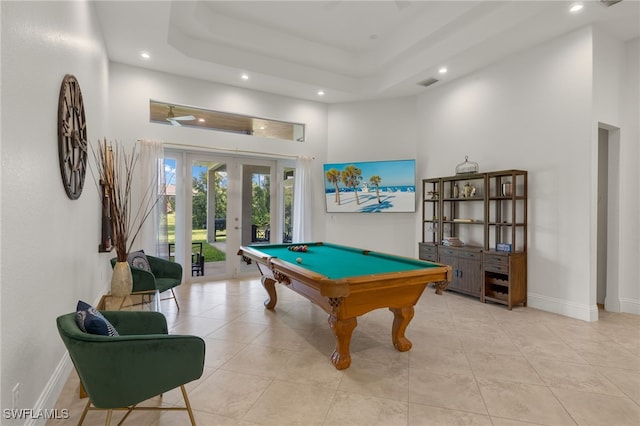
x=352, y=50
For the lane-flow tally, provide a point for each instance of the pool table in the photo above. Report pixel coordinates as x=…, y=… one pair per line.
x=348, y=282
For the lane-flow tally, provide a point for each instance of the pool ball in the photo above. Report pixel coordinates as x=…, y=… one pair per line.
x=299, y=260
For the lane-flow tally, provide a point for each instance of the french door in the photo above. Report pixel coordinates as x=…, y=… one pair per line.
x=220, y=204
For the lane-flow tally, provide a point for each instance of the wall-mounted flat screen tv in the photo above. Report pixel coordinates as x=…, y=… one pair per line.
x=370, y=186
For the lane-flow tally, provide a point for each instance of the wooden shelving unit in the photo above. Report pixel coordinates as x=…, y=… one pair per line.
x=487, y=212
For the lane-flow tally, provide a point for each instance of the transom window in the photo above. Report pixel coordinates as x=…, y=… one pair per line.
x=181, y=115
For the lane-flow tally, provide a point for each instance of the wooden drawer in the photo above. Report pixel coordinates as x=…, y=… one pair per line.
x=463, y=254
x=428, y=252
x=496, y=267
x=496, y=259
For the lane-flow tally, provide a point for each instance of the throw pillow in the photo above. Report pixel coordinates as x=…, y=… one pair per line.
x=90, y=320
x=139, y=260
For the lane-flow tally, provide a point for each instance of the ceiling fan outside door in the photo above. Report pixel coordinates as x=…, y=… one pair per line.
x=175, y=121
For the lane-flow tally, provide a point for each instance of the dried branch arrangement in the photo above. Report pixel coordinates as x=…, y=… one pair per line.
x=116, y=170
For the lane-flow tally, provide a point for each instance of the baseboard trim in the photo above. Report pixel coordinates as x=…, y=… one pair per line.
x=562, y=307
x=51, y=392
x=630, y=306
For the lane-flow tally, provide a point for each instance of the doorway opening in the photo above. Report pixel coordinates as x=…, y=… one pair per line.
x=607, y=219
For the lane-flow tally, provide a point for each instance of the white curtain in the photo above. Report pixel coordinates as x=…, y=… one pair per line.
x=302, y=222
x=153, y=238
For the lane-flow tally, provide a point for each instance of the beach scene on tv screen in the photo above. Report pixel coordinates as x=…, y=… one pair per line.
x=370, y=186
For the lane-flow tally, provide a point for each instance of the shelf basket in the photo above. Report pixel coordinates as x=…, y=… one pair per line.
x=467, y=167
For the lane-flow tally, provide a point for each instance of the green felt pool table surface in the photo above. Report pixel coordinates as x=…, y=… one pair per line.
x=338, y=262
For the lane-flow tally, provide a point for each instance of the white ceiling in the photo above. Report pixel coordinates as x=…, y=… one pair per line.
x=353, y=50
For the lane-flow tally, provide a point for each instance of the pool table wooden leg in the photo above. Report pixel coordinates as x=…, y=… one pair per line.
x=269, y=284
x=401, y=319
x=441, y=286
x=342, y=329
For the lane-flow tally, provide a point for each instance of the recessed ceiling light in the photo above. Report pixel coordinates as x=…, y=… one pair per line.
x=575, y=8
x=245, y=77
x=320, y=92
x=443, y=70
x=201, y=120
x=145, y=55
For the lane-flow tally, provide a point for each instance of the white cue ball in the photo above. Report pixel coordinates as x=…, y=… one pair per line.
x=299, y=260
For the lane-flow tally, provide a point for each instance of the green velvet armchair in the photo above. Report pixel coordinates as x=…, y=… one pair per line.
x=122, y=371
x=164, y=275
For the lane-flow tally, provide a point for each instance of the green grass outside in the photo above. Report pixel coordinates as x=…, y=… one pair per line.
x=211, y=254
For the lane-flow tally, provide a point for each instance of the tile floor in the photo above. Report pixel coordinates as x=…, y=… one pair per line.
x=471, y=364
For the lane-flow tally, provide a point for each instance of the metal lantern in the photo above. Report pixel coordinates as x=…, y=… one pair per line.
x=467, y=167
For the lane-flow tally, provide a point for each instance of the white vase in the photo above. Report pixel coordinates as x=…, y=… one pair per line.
x=121, y=280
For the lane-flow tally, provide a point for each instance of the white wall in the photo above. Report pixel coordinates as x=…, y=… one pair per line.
x=607, y=81
x=49, y=243
x=608, y=64
x=629, y=249
x=373, y=131
x=533, y=112
x=616, y=108
x=131, y=88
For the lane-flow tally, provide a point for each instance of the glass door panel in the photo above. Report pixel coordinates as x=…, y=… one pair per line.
x=287, y=204
x=209, y=186
x=256, y=204
x=171, y=162
x=258, y=224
